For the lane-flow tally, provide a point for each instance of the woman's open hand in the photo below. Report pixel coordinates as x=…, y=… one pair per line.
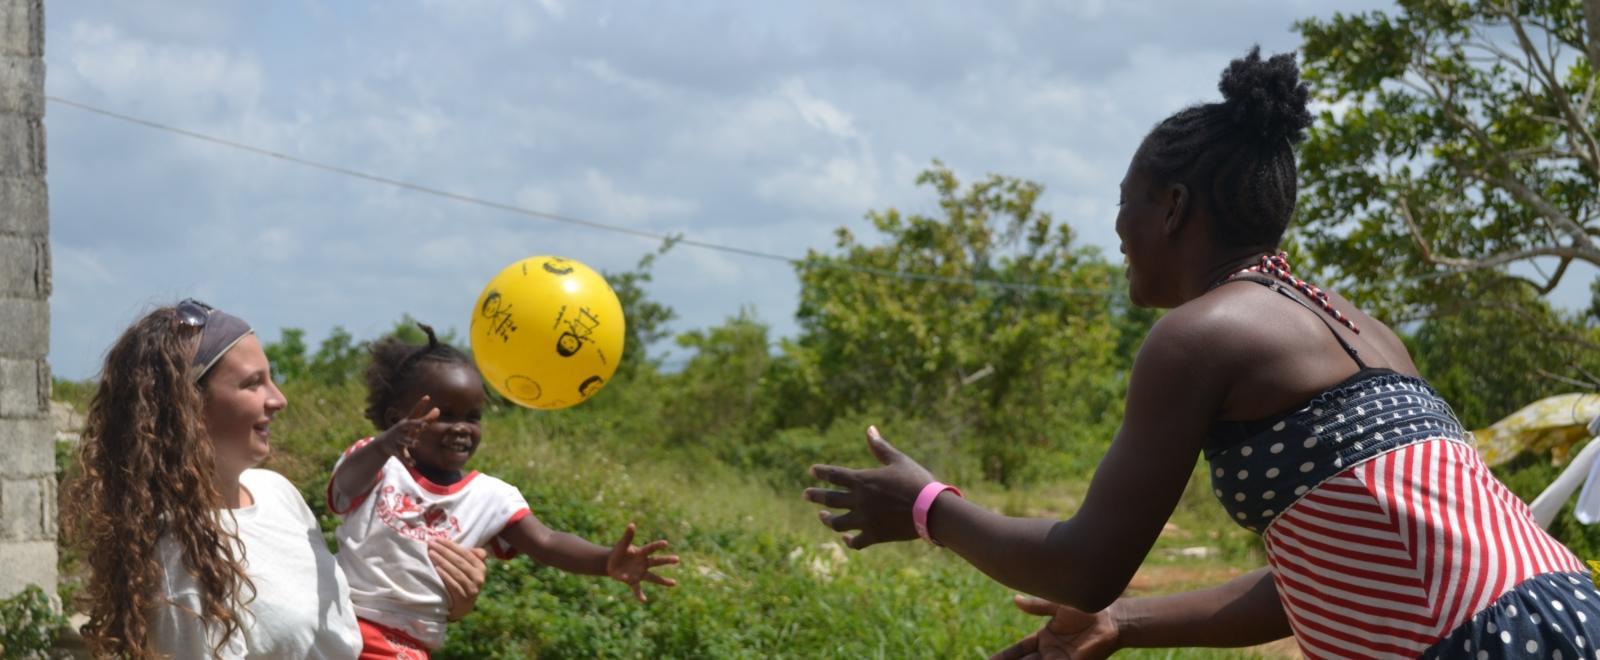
x=1070, y=634
x=876, y=501
x=463, y=572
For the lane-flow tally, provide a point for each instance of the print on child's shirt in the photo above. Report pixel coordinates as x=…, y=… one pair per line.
x=407, y=517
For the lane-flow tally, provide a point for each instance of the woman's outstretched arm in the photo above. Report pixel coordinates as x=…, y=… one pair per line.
x=1244, y=611
x=1180, y=378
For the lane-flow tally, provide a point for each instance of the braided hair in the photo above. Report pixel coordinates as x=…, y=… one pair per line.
x=394, y=367
x=1237, y=156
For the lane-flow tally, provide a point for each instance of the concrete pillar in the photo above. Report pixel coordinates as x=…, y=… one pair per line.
x=27, y=442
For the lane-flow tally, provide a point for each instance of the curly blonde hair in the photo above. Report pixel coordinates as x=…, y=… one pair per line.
x=148, y=471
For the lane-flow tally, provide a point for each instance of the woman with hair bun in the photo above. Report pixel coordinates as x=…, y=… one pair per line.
x=1385, y=534
x=192, y=551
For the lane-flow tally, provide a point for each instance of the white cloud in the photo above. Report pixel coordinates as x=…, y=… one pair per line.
x=817, y=112
x=607, y=72
x=1072, y=167
x=554, y=8
x=741, y=129
x=841, y=183
x=277, y=245
x=172, y=79
x=75, y=267
x=757, y=125
x=539, y=198
x=613, y=205
x=519, y=22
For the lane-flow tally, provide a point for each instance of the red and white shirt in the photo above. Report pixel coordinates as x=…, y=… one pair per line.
x=383, y=541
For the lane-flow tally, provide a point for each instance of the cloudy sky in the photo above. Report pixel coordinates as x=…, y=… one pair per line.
x=758, y=125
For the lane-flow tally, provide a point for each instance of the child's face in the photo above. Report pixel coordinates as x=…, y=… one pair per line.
x=457, y=392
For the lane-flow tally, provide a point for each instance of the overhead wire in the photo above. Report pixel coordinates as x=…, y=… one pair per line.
x=674, y=239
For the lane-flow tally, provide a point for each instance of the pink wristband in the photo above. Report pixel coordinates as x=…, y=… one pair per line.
x=919, y=510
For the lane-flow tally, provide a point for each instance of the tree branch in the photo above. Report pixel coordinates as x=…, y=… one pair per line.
x=1539, y=326
x=1550, y=283
x=1569, y=381
x=1591, y=24
x=1535, y=153
x=1592, y=378
x=1466, y=265
x=1503, y=258
x=1552, y=81
x=1583, y=247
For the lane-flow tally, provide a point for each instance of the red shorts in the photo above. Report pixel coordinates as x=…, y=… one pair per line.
x=383, y=643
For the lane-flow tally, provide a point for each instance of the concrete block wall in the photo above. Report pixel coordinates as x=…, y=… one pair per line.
x=27, y=441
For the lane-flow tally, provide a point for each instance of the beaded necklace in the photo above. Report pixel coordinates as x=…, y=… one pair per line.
x=1277, y=265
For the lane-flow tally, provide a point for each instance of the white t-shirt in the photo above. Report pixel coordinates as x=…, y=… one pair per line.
x=301, y=605
x=383, y=542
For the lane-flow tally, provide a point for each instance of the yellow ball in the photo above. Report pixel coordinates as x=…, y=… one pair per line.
x=547, y=332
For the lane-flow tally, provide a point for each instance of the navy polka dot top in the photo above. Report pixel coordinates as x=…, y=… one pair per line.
x=1386, y=534
x=1258, y=473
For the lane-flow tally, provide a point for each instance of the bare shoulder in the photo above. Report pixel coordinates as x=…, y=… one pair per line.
x=1186, y=368
x=1211, y=333
x=1376, y=337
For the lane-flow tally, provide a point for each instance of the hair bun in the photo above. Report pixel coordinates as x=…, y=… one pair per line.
x=1266, y=97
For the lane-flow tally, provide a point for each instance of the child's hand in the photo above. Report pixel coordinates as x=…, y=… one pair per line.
x=397, y=441
x=631, y=564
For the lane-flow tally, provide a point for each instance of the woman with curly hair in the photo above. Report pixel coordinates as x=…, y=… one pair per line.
x=192, y=551
x=1385, y=535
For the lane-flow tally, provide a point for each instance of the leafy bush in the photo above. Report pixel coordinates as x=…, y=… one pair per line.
x=760, y=577
x=28, y=624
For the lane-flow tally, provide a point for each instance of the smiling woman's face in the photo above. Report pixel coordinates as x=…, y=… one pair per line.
x=1141, y=220
x=240, y=401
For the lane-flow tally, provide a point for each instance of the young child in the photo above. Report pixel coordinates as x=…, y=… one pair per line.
x=397, y=490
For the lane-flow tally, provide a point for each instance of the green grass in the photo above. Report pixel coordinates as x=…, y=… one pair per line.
x=760, y=576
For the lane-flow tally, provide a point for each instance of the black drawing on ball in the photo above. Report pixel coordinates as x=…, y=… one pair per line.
x=590, y=385
x=568, y=344
x=579, y=330
x=524, y=387
x=497, y=313
x=557, y=266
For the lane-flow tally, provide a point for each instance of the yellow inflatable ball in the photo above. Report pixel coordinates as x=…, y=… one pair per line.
x=547, y=332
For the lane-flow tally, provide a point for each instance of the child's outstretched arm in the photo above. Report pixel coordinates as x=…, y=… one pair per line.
x=626, y=563
x=359, y=471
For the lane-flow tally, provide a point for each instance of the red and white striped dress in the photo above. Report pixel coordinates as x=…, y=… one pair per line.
x=1388, y=537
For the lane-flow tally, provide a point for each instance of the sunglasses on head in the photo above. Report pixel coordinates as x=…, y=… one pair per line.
x=193, y=313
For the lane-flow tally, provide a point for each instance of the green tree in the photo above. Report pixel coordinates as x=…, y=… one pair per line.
x=407, y=330
x=720, y=391
x=1457, y=139
x=338, y=358
x=985, y=319
x=646, y=319
x=1489, y=359
x=287, y=355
